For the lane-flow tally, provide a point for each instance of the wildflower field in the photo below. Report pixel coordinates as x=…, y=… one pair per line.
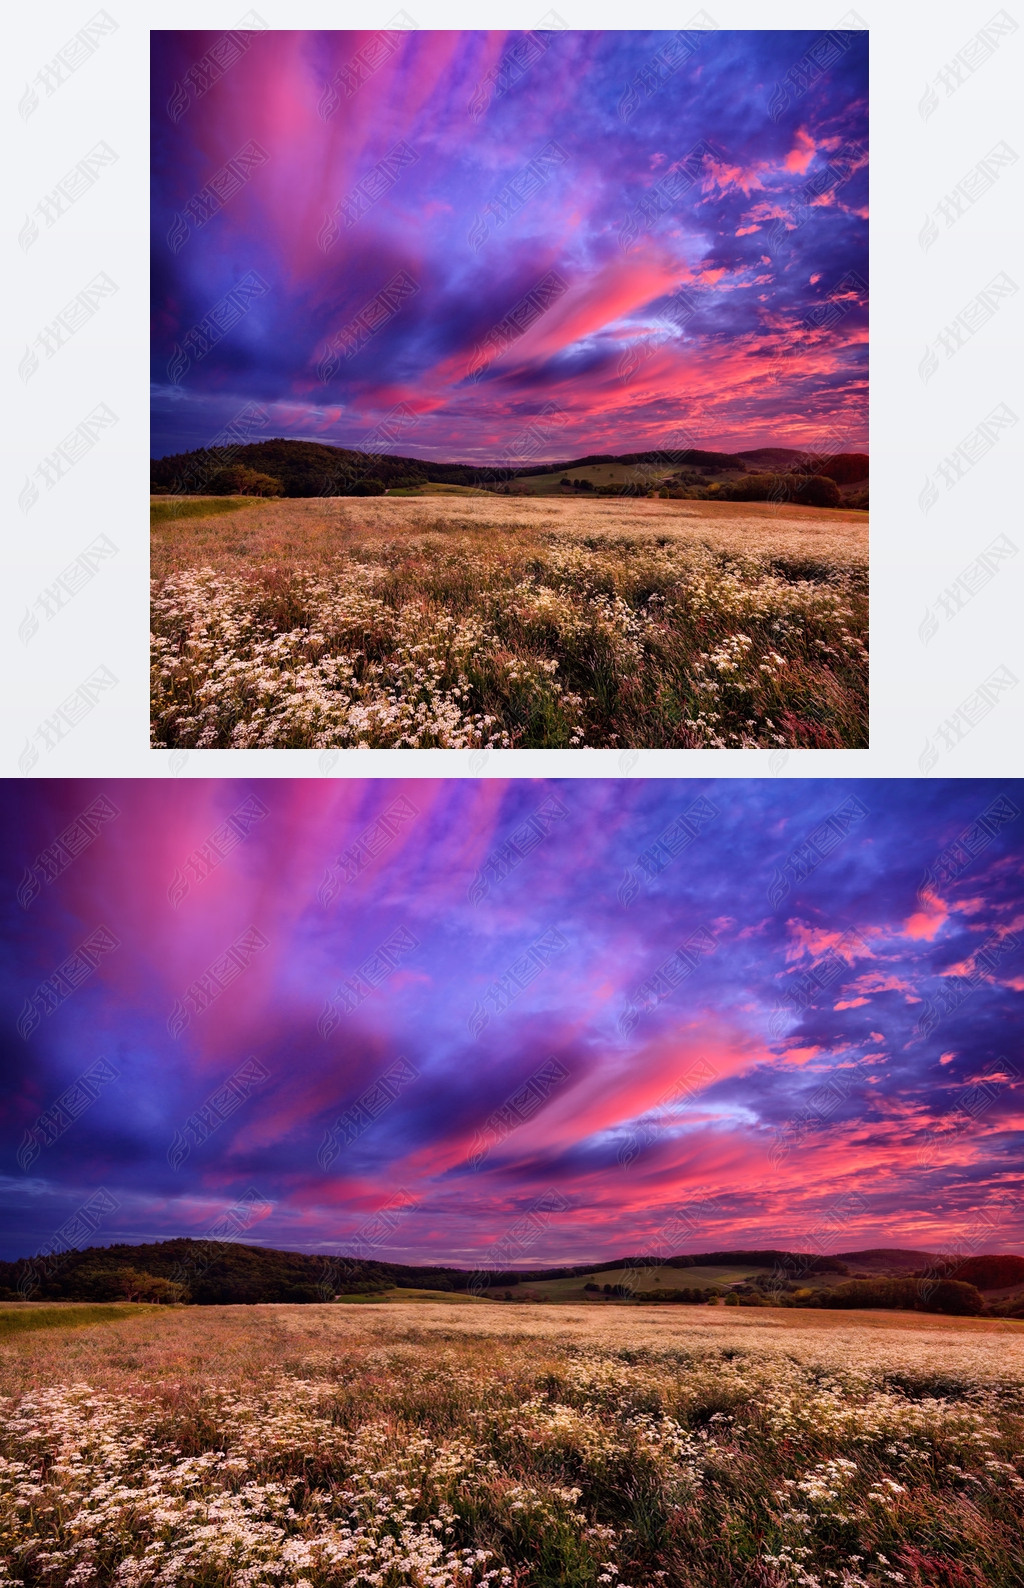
x=483, y=621
x=535, y=1446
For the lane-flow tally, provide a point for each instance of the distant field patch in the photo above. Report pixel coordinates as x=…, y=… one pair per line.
x=162, y=509
x=19, y=1320
x=656, y=1277
x=399, y=1293
x=434, y=488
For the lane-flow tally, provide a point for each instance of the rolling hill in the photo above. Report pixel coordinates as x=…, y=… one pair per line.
x=207, y=1271
x=311, y=468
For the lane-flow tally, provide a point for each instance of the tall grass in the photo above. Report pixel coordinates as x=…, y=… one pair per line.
x=324, y=1446
x=164, y=509
x=512, y=624
x=20, y=1320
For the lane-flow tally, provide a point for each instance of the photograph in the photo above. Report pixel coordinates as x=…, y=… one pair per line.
x=509, y=388
x=553, y=1183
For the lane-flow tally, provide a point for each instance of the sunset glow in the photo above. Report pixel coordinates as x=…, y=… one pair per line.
x=535, y=245
x=714, y=1014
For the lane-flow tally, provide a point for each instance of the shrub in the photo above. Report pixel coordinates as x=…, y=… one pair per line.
x=817, y=491
x=956, y=1297
x=237, y=480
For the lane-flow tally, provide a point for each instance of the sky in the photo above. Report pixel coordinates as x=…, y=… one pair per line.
x=502, y=1023
x=494, y=246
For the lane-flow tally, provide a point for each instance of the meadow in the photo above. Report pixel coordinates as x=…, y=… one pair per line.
x=432, y=1446
x=492, y=622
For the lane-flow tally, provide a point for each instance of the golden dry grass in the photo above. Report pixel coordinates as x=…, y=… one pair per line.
x=380, y=621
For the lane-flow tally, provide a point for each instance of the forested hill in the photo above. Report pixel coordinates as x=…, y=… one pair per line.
x=311, y=468
x=211, y=1271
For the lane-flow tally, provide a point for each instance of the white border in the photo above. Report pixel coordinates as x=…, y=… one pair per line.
x=927, y=717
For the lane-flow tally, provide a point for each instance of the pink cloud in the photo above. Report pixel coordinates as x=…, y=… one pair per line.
x=802, y=152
